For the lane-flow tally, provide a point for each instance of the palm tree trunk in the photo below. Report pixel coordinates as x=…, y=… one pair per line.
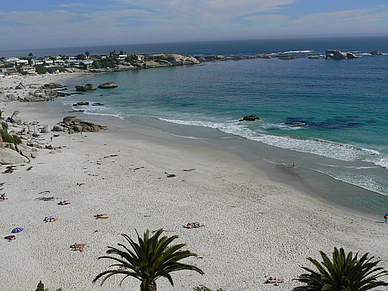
x=150, y=287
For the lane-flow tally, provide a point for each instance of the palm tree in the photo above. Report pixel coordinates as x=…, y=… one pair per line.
x=345, y=272
x=87, y=54
x=149, y=259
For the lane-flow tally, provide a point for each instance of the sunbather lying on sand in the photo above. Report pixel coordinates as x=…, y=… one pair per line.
x=78, y=247
x=272, y=280
x=10, y=237
x=193, y=225
x=101, y=216
x=65, y=202
x=50, y=219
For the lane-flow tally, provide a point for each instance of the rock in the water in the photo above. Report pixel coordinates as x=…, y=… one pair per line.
x=252, y=117
x=90, y=87
x=15, y=118
x=10, y=157
x=339, y=55
x=376, y=53
x=81, y=103
x=108, y=85
x=80, y=88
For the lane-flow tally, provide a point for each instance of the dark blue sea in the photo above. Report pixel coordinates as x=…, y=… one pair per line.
x=329, y=117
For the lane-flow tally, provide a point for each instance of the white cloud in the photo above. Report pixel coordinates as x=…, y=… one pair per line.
x=177, y=20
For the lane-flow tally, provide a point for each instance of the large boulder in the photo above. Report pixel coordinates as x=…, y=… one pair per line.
x=80, y=88
x=376, y=53
x=20, y=86
x=108, y=85
x=52, y=86
x=339, y=55
x=16, y=118
x=10, y=157
x=90, y=87
x=74, y=124
x=252, y=117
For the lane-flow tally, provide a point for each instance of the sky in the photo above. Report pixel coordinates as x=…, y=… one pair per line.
x=28, y=24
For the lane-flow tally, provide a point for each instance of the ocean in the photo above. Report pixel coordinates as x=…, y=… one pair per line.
x=328, y=117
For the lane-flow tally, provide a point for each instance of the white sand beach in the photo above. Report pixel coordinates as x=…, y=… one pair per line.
x=254, y=228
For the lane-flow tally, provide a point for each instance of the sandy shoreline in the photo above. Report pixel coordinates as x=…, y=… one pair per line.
x=254, y=227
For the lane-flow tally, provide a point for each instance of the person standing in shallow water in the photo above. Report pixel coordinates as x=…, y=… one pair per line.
x=385, y=218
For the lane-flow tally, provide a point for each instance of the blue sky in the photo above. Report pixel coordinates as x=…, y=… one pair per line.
x=43, y=24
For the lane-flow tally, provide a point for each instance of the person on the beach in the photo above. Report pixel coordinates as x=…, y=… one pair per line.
x=385, y=217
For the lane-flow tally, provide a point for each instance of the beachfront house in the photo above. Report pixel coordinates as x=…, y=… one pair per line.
x=122, y=57
x=16, y=61
x=48, y=61
x=28, y=69
x=85, y=63
x=72, y=62
x=60, y=62
x=36, y=62
x=140, y=57
x=10, y=71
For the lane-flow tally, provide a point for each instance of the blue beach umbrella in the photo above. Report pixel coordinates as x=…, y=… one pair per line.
x=16, y=230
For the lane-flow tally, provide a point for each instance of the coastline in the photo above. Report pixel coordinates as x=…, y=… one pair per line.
x=266, y=228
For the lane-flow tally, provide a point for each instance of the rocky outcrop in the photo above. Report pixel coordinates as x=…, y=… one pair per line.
x=176, y=59
x=90, y=87
x=376, y=53
x=72, y=124
x=339, y=55
x=108, y=85
x=81, y=103
x=87, y=87
x=52, y=86
x=16, y=118
x=20, y=86
x=252, y=117
x=80, y=88
x=10, y=157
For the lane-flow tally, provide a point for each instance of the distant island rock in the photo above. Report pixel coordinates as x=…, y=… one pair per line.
x=376, y=53
x=108, y=85
x=339, y=55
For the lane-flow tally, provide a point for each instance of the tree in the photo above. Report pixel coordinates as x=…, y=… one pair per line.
x=31, y=55
x=345, y=272
x=87, y=54
x=150, y=259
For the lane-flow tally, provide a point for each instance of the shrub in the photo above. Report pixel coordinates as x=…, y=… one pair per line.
x=40, y=69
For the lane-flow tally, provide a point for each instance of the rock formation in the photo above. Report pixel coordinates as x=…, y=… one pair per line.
x=10, y=157
x=15, y=118
x=376, y=53
x=339, y=55
x=252, y=117
x=72, y=124
x=108, y=85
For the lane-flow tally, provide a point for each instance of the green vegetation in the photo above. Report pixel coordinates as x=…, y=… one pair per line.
x=54, y=69
x=40, y=69
x=40, y=287
x=6, y=137
x=345, y=272
x=150, y=259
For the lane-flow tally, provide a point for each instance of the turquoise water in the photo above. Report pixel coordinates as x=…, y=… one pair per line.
x=330, y=117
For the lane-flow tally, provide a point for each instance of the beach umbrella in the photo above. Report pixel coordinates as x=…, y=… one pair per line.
x=16, y=230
